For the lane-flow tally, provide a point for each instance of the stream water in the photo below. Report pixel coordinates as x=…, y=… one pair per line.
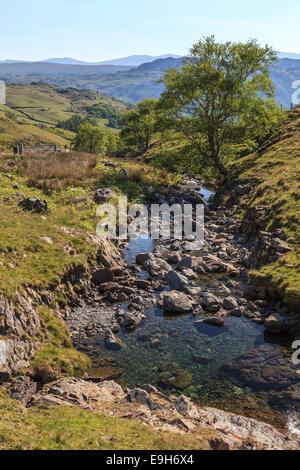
x=239, y=368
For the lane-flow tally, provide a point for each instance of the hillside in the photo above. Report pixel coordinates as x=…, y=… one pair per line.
x=13, y=133
x=47, y=104
x=273, y=174
x=128, y=83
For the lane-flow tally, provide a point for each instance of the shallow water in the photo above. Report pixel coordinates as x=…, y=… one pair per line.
x=239, y=368
x=206, y=193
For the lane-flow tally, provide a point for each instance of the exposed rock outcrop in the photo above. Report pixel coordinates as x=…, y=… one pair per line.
x=228, y=431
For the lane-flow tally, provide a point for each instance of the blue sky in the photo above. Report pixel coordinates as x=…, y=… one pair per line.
x=96, y=30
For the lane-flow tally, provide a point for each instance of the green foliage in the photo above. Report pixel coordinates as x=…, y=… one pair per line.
x=140, y=125
x=114, y=116
x=73, y=123
x=275, y=170
x=222, y=97
x=92, y=139
x=45, y=104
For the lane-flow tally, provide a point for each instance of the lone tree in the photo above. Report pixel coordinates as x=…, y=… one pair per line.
x=92, y=139
x=222, y=97
x=140, y=124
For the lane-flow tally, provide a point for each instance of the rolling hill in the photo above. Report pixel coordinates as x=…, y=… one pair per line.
x=12, y=133
x=33, y=111
x=48, y=104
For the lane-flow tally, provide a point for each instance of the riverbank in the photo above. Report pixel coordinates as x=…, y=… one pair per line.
x=117, y=319
x=220, y=348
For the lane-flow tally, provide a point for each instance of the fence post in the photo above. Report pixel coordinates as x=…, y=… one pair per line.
x=55, y=147
x=21, y=148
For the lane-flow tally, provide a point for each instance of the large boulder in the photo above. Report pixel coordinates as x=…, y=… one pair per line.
x=176, y=302
x=214, y=321
x=176, y=281
x=104, y=194
x=111, y=341
x=212, y=303
x=276, y=324
x=230, y=303
x=130, y=320
x=188, y=262
x=174, y=257
x=102, y=276
x=77, y=392
x=142, y=258
x=33, y=204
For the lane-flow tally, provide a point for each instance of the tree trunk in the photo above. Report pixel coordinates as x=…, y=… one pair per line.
x=222, y=169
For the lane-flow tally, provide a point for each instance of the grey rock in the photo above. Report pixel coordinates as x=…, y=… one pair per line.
x=103, y=195
x=230, y=303
x=212, y=303
x=102, y=276
x=214, y=321
x=188, y=262
x=111, y=341
x=176, y=281
x=174, y=257
x=176, y=302
x=33, y=204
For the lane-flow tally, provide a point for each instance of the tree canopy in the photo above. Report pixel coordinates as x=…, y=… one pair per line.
x=140, y=124
x=222, y=97
x=92, y=139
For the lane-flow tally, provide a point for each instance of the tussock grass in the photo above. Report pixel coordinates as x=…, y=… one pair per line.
x=69, y=168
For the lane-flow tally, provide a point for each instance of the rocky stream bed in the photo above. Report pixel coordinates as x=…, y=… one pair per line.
x=189, y=322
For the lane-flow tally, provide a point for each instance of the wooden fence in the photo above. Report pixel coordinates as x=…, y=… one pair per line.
x=20, y=149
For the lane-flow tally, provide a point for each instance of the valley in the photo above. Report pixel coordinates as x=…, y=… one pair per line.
x=130, y=84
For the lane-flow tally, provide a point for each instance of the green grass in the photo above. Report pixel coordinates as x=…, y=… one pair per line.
x=51, y=362
x=70, y=428
x=28, y=261
x=276, y=170
x=49, y=104
x=13, y=133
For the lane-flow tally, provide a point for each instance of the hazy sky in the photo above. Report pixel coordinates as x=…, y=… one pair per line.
x=96, y=30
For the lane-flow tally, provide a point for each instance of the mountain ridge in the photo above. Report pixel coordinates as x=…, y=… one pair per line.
x=134, y=60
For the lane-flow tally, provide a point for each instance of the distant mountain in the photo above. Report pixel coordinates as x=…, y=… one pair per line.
x=130, y=84
x=11, y=61
x=288, y=55
x=16, y=69
x=66, y=61
x=130, y=61
x=137, y=60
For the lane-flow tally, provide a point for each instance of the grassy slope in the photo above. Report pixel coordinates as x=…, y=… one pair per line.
x=49, y=104
x=71, y=205
x=277, y=171
x=25, y=259
x=13, y=133
x=66, y=428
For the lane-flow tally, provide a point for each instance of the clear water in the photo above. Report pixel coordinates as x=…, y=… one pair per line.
x=239, y=367
x=206, y=193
